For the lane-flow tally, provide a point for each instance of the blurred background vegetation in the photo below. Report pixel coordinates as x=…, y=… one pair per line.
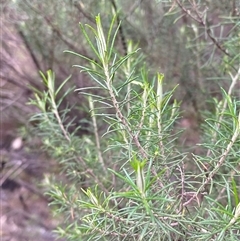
x=194, y=43
x=194, y=52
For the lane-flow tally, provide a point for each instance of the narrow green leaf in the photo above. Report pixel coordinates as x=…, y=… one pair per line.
x=89, y=41
x=235, y=192
x=110, y=50
x=84, y=57
x=63, y=83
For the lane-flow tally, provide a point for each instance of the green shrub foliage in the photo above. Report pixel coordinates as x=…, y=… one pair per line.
x=128, y=178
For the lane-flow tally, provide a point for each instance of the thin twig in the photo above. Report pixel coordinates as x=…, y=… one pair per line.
x=230, y=144
x=30, y=50
x=224, y=106
x=133, y=8
x=79, y=8
x=94, y=121
x=219, y=163
x=183, y=186
x=200, y=20
x=120, y=116
x=54, y=27
x=144, y=107
x=55, y=111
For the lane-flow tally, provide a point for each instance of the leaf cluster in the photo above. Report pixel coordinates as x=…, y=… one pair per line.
x=131, y=181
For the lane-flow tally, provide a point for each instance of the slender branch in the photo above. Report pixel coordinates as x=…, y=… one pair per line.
x=30, y=50
x=78, y=6
x=121, y=117
x=232, y=141
x=219, y=163
x=224, y=106
x=54, y=27
x=55, y=111
x=198, y=18
x=181, y=169
x=144, y=107
x=133, y=8
x=91, y=105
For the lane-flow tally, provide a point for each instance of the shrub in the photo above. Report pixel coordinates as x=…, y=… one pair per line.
x=128, y=179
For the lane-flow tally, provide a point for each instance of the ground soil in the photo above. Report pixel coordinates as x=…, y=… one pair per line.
x=25, y=213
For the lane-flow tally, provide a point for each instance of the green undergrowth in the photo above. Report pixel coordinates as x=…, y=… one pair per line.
x=128, y=179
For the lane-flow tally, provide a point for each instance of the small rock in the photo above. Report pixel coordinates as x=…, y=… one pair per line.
x=17, y=144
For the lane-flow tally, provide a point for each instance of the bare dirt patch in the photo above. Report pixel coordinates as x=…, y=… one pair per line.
x=25, y=214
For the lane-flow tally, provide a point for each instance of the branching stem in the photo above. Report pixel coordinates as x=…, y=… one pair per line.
x=119, y=114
